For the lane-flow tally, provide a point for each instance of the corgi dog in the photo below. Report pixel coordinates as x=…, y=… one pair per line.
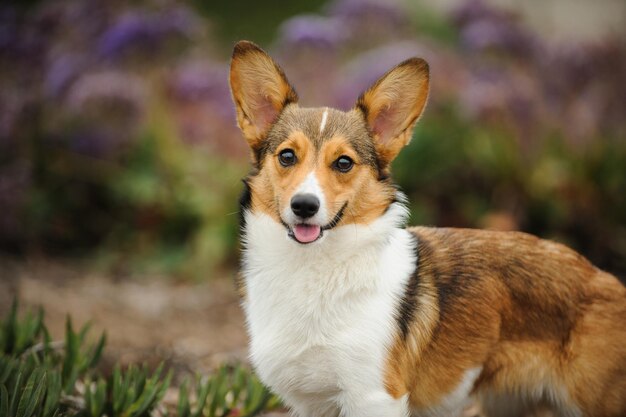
x=352, y=314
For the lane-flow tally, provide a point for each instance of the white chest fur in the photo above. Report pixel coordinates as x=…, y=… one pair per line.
x=322, y=316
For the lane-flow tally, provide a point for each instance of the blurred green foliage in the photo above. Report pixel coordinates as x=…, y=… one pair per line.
x=250, y=19
x=118, y=141
x=576, y=196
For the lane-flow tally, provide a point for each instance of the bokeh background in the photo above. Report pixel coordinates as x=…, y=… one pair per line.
x=118, y=143
x=120, y=160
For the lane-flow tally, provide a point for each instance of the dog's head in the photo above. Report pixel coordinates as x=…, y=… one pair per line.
x=316, y=168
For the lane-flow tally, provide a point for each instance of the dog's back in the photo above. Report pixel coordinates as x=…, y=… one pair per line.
x=538, y=323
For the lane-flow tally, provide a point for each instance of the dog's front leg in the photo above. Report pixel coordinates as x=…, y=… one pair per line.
x=375, y=404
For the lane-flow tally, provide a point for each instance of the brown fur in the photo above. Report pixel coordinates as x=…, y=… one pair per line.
x=393, y=105
x=530, y=312
x=260, y=91
x=371, y=134
x=273, y=187
x=537, y=318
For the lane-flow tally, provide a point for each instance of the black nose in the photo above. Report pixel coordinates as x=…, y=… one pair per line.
x=305, y=205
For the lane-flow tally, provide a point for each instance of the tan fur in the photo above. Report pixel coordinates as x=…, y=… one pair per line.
x=367, y=198
x=260, y=91
x=273, y=188
x=530, y=312
x=390, y=108
x=394, y=104
x=535, y=317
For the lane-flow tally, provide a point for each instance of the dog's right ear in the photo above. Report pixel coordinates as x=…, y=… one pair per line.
x=392, y=106
x=260, y=91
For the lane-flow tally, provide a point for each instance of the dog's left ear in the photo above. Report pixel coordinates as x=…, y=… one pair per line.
x=393, y=105
x=260, y=91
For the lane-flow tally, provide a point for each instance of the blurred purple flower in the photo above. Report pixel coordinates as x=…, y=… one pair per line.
x=366, y=68
x=119, y=88
x=483, y=93
x=473, y=10
x=88, y=18
x=585, y=85
x=309, y=48
x=95, y=142
x=569, y=67
x=485, y=27
x=485, y=34
x=312, y=30
x=202, y=107
x=507, y=97
x=145, y=30
x=105, y=111
x=390, y=11
x=609, y=58
x=8, y=28
x=62, y=71
x=199, y=81
x=371, y=21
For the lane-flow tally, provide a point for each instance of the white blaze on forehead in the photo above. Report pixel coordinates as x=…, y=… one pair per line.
x=310, y=185
x=324, y=117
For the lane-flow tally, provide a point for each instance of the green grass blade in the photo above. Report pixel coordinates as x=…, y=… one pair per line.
x=97, y=352
x=82, y=333
x=14, y=398
x=10, y=329
x=53, y=394
x=239, y=379
x=144, y=402
x=7, y=368
x=48, y=352
x=202, y=394
x=183, y=399
x=101, y=396
x=165, y=385
x=39, y=321
x=38, y=395
x=69, y=371
x=26, y=399
x=4, y=401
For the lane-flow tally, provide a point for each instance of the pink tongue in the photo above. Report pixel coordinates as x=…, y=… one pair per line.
x=306, y=233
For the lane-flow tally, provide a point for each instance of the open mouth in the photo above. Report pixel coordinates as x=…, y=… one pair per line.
x=305, y=233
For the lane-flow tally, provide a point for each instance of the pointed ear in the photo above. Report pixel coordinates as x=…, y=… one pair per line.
x=392, y=106
x=260, y=91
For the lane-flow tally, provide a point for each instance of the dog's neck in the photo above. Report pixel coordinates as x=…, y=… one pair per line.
x=347, y=250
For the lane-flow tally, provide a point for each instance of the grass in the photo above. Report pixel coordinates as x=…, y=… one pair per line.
x=40, y=377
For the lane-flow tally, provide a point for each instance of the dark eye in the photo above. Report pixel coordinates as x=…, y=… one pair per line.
x=343, y=164
x=287, y=157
